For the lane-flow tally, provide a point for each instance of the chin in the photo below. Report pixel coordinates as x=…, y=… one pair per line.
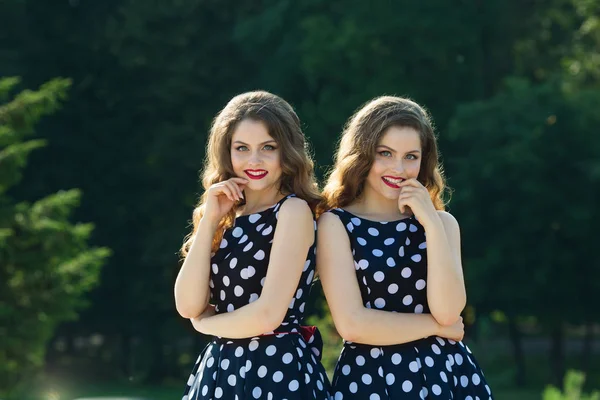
x=391, y=196
x=256, y=186
x=389, y=193
x=259, y=186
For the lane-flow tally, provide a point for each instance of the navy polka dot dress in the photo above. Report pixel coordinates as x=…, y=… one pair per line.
x=283, y=364
x=391, y=266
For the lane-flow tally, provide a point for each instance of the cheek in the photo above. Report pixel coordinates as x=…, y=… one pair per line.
x=414, y=168
x=378, y=167
x=273, y=159
x=237, y=160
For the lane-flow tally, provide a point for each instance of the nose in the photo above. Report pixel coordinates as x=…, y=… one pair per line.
x=398, y=168
x=255, y=159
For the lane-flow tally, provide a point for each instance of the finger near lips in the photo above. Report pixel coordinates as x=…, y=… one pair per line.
x=410, y=182
x=412, y=189
x=226, y=190
x=239, y=183
x=406, y=196
x=235, y=190
x=229, y=193
x=237, y=179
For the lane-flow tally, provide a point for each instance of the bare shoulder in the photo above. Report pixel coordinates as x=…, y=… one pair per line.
x=295, y=209
x=329, y=221
x=450, y=223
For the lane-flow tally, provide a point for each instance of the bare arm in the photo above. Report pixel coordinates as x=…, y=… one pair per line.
x=191, y=286
x=294, y=235
x=446, y=292
x=353, y=321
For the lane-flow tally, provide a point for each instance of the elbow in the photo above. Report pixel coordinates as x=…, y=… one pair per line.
x=446, y=319
x=447, y=316
x=448, y=312
x=188, y=312
x=348, y=327
x=190, y=308
x=269, y=316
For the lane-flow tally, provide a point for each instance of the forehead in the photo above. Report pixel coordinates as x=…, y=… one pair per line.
x=401, y=138
x=251, y=131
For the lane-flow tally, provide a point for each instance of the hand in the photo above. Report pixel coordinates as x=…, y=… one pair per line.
x=222, y=196
x=415, y=197
x=209, y=311
x=455, y=331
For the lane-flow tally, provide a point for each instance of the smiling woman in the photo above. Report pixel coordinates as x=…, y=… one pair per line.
x=255, y=155
x=389, y=262
x=252, y=254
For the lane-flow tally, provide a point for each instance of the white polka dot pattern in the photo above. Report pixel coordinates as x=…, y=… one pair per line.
x=391, y=269
x=272, y=366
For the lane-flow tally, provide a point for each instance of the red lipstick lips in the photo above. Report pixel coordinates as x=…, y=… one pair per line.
x=256, y=173
x=392, y=181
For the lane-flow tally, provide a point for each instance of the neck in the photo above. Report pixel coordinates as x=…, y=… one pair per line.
x=257, y=201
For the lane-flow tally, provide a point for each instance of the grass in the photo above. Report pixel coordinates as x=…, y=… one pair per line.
x=496, y=363
x=73, y=391
x=67, y=387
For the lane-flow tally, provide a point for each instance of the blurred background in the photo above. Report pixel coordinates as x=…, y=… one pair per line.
x=104, y=112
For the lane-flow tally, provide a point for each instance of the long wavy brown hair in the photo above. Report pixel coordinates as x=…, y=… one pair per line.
x=283, y=126
x=356, y=151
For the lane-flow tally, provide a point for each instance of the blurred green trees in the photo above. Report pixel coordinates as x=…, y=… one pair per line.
x=512, y=86
x=46, y=264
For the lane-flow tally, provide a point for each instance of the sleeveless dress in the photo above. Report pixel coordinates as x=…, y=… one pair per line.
x=390, y=259
x=283, y=364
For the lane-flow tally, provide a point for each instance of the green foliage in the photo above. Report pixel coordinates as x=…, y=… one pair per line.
x=563, y=41
x=332, y=342
x=526, y=183
x=17, y=119
x=46, y=264
x=149, y=76
x=573, y=387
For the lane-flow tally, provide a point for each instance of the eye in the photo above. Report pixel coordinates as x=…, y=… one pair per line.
x=269, y=147
x=412, y=156
x=241, y=148
x=385, y=153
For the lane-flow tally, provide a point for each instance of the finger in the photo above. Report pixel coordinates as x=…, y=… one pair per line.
x=232, y=189
x=225, y=190
x=239, y=187
x=411, y=182
x=238, y=180
x=406, y=196
x=240, y=184
x=401, y=206
x=235, y=191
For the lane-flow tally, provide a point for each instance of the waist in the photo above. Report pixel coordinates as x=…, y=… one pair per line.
x=428, y=341
x=307, y=333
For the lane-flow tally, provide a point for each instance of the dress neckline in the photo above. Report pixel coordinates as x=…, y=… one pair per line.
x=377, y=222
x=266, y=209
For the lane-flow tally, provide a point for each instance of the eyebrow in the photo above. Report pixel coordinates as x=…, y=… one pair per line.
x=260, y=144
x=394, y=151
